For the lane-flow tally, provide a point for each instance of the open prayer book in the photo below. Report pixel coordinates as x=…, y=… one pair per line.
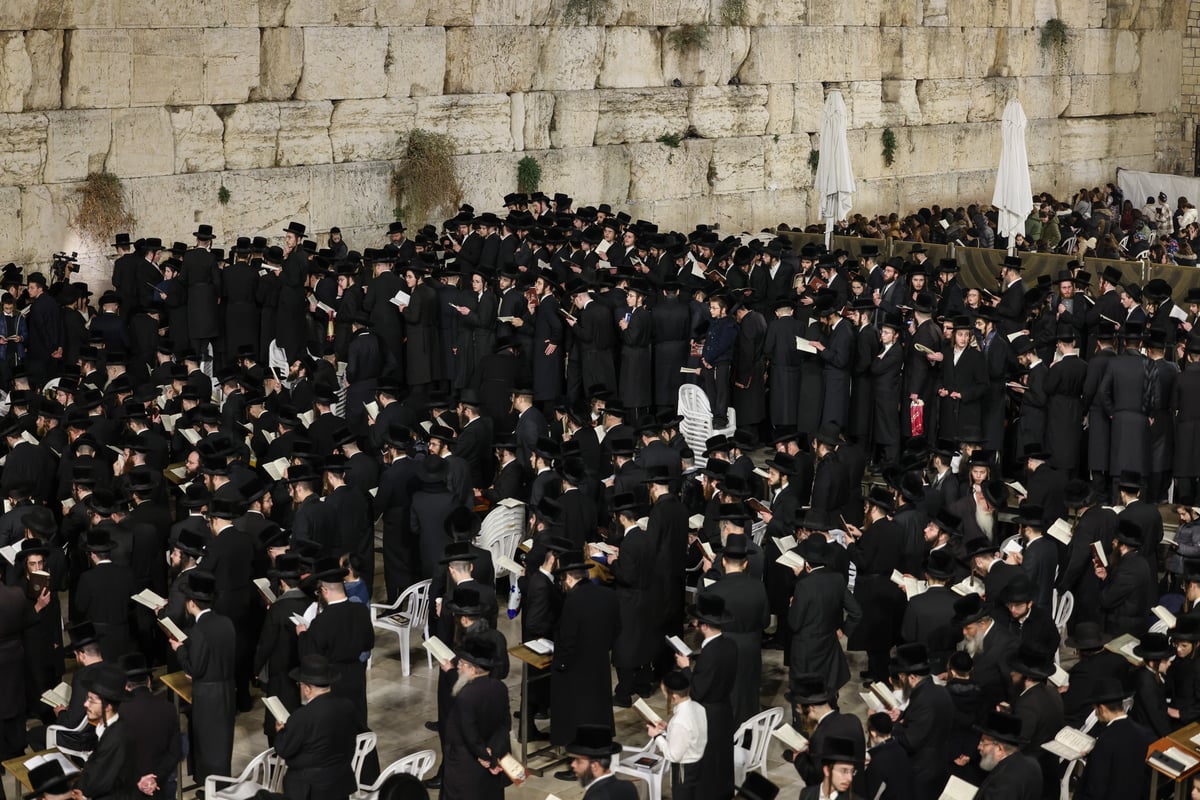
x=401, y=298
x=968, y=585
x=784, y=543
x=1098, y=552
x=1060, y=530
x=277, y=709
x=1164, y=615
x=67, y=767
x=706, y=548
x=911, y=586
x=804, y=345
x=264, y=588
x=543, y=647
x=884, y=694
x=438, y=649
x=150, y=600
x=678, y=645
x=277, y=469
x=791, y=560
x=191, y=435
x=1174, y=761
x=1070, y=743
x=10, y=551
x=1123, y=646
x=1060, y=678
x=958, y=789
x=648, y=713
x=58, y=696
x=786, y=734
x=696, y=521
x=1017, y=487
x=171, y=629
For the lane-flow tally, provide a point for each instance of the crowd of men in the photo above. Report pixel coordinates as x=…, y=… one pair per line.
x=903, y=466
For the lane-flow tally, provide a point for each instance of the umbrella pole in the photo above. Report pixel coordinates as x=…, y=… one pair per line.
x=828, y=232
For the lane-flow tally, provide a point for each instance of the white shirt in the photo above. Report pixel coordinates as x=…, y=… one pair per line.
x=104, y=726
x=686, y=735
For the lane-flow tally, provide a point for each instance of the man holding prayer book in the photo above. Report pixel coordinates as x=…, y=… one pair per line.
x=923, y=728
x=713, y=677
x=1012, y=775
x=683, y=739
x=1116, y=766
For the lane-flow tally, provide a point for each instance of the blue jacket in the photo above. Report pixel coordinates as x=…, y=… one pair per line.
x=13, y=326
x=718, y=344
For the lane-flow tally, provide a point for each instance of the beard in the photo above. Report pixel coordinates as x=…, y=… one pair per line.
x=459, y=683
x=988, y=762
x=586, y=778
x=973, y=645
x=985, y=521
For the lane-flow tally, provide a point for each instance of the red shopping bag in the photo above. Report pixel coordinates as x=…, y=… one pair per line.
x=916, y=417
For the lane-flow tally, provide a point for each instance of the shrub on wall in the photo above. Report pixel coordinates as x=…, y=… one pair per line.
x=529, y=175
x=102, y=212
x=426, y=179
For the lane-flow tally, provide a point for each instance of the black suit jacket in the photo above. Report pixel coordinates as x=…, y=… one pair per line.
x=1017, y=777
x=1116, y=766
x=318, y=744
x=153, y=723
x=611, y=789
x=110, y=771
x=924, y=732
x=891, y=765
x=475, y=447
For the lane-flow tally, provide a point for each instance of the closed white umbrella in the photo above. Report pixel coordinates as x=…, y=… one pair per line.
x=1013, y=197
x=835, y=179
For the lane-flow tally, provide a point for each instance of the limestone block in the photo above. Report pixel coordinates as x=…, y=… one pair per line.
x=77, y=144
x=231, y=64
x=18, y=16
x=576, y=116
x=416, y=61
x=663, y=12
x=900, y=103
x=143, y=143
x=353, y=12
x=769, y=13
x=251, y=134
x=772, y=57
x=168, y=67
x=947, y=101
x=22, y=148
x=511, y=12
x=491, y=59
x=402, y=12
x=1041, y=141
x=718, y=112
x=451, y=13
x=169, y=13
x=1160, y=57
x=1125, y=52
x=712, y=65
x=839, y=54
x=738, y=165
x=271, y=13
x=969, y=13
x=536, y=121
x=280, y=62
x=946, y=54
x=263, y=200
x=101, y=66
x=781, y=107
x=809, y=105
x=786, y=162
x=632, y=58
x=343, y=63
x=570, y=58
x=854, y=12
x=199, y=144
x=16, y=71
x=516, y=122
x=369, y=130
x=590, y=175
x=1040, y=96
x=302, y=13
x=770, y=208
x=240, y=13
x=641, y=115
x=658, y=171
x=1101, y=95
x=487, y=178
x=304, y=134
x=587, y=12
x=979, y=52
x=479, y=123
x=45, y=49
x=172, y=204
x=1086, y=138
x=47, y=213
x=11, y=227
x=351, y=195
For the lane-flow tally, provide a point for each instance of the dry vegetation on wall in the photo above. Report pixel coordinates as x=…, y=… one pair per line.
x=102, y=213
x=425, y=181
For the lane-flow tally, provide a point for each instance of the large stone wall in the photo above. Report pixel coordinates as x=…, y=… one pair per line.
x=298, y=107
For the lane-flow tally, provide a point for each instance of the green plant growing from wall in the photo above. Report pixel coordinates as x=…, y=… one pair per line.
x=1055, y=39
x=102, y=212
x=733, y=12
x=814, y=158
x=670, y=139
x=223, y=196
x=889, y=146
x=529, y=175
x=690, y=37
x=426, y=178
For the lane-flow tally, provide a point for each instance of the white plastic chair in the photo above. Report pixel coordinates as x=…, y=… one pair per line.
x=652, y=774
x=52, y=732
x=754, y=757
x=411, y=610
x=1063, y=606
x=757, y=530
x=501, y=531
x=363, y=743
x=418, y=764
x=265, y=771
x=1064, y=787
x=697, y=424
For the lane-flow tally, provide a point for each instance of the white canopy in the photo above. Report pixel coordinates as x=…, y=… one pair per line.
x=835, y=179
x=1013, y=197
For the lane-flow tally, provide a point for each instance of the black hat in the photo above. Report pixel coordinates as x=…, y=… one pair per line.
x=969, y=609
x=710, y=609
x=1002, y=727
x=736, y=546
x=287, y=567
x=1031, y=515
x=940, y=564
x=947, y=522
x=572, y=470
x=808, y=689
x=782, y=463
x=1187, y=629
x=1131, y=481
x=81, y=635
x=912, y=658
x=190, y=542
x=593, y=741
x=840, y=750
x=457, y=551
x=1107, y=691
x=32, y=547
x=995, y=491
x=200, y=585
x=1088, y=636
x=467, y=602
x=478, y=651
x=1154, y=647
x=106, y=681
x=979, y=546
x=98, y=540
x=295, y=228
x=327, y=569
x=204, y=233
x=135, y=667
x=882, y=499
x=1033, y=661
x=756, y=787
x=1128, y=533
x=49, y=776
x=315, y=670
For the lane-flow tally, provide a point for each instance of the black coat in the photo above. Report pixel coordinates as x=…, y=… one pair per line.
x=423, y=346
x=102, y=597
x=671, y=337
x=891, y=765
x=833, y=725
x=278, y=650
x=991, y=668
x=547, y=367
x=746, y=599
x=208, y=657
x=714, y=678
x=1149, y=707
x=239, y=291
x=477, y=728
x=342, y=633
x=1116, y=767
x=153, y=723
x=318, y=744
x=886, y=390
x=749, y=369
x=968, y=378
x=1087, y=672
x=927, y=619
x=581, y=686
x=822, y=605
x=837, y=359
x=1126, y=595
x=1017, y=777
x=1127, y=397
x=924, y=731
x=430, y=507
x=110, y=771
x=1149, y=521
x=1099, y=434
x=1064, y=404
